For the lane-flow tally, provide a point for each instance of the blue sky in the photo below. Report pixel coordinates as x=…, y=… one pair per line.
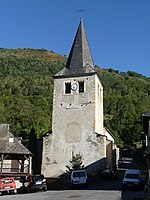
x=118, y=30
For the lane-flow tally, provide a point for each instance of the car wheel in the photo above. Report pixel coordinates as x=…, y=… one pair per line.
x=11, y=191
x=3, y=192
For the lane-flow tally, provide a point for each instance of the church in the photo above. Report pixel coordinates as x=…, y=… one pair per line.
x=77, y=119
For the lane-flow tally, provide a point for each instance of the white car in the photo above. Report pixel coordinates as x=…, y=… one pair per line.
x=79, y=177
x=132, y=179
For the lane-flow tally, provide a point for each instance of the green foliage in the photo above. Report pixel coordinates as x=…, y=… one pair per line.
x=131, y=73
x=26, y=95
x=26, y=89
x=126, y=98
x=75, y=163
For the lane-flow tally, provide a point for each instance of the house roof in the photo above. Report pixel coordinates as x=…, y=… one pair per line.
x=11, y=145
x=80, y=60
x=109, y=135
x=146, y=114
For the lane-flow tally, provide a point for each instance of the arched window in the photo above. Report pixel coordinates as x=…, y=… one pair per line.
x=81, y=86
x=68, y=88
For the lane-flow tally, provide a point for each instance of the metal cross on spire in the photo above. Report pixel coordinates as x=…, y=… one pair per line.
x=81, y=11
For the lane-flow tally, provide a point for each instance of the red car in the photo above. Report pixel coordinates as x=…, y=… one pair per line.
x=7, y=185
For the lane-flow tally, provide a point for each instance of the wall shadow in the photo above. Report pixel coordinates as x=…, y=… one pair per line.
x=95, y=182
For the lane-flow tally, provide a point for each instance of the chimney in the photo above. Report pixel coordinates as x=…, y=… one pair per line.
x=4, y=129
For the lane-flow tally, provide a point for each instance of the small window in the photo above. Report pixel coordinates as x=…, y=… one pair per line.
x=79, y=174
x=67, y=88
x=81, y=86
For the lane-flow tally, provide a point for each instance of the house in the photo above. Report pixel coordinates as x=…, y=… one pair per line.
x=15, y=159
x=146, y=131
x=77, y=120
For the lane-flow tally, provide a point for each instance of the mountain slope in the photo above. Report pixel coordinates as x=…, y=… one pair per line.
x=26, y=92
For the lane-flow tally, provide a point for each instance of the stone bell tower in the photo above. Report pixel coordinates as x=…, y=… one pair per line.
x=77, y=121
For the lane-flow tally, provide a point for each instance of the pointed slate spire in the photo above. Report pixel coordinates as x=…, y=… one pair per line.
x=80, y=53
x=80, y=60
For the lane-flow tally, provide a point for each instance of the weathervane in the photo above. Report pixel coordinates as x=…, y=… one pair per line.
x=81, y=11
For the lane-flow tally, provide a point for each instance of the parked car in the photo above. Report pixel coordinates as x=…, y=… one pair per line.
x=132, y=179
x=108, y=174
x=124, y=160
x=79, y=178
x=7, y=185
x=35, y=183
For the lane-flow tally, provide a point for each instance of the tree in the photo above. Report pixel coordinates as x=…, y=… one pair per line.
x=32, y=146
x=75, y=163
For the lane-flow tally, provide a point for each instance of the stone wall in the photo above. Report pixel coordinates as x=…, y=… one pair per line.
x=77, y=123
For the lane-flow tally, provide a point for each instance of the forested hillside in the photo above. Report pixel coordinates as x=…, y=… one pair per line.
x=26, y=90
x=126, y=98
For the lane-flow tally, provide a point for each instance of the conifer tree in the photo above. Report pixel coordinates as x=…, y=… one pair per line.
x=75, y=163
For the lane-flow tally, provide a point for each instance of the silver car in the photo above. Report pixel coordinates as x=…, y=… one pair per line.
x=79, y=178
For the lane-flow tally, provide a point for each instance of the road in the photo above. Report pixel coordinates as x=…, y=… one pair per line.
x=76, y=195
x=66, y=195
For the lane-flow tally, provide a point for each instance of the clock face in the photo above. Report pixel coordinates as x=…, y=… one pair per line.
x=74, y=86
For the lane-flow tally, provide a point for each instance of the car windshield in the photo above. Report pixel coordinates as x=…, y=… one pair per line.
x=134, y=176
x=5, y=181
x=79, y=174
x=38, y=178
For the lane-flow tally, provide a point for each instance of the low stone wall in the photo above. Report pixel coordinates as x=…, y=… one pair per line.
x=55, y=183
